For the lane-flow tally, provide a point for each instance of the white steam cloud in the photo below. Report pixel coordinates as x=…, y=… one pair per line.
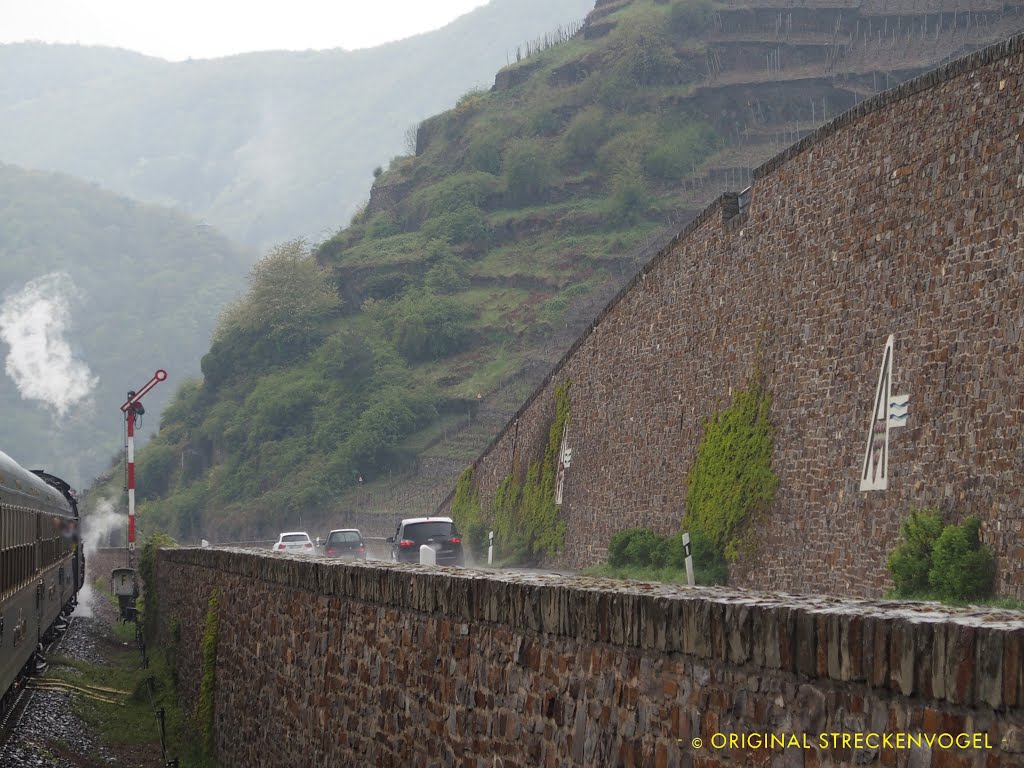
x=33, y=322
x=99, y=522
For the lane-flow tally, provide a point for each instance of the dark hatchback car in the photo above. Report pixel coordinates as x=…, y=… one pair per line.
x=347, y=542
x=439, y=533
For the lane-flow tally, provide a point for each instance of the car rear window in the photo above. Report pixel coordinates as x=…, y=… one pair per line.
x=345, y=537
x=422, y=531
x=295, y=537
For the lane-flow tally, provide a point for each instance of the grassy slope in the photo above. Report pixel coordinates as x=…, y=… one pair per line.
x=524, y=209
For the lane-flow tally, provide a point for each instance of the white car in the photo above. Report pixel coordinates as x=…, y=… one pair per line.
x=295, y=542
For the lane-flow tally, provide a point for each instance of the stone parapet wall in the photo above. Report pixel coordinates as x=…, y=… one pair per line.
x=901, y=217
x=330, y=664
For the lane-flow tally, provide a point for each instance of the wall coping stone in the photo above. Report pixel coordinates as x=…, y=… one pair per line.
x=909, y=647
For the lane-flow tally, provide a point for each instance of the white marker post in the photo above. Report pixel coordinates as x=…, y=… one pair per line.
x=490, y=548
x=689, y=559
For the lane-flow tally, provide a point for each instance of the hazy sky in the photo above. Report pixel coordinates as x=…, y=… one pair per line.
x=181, y=29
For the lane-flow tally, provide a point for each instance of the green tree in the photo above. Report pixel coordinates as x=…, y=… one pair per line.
x=289, y=295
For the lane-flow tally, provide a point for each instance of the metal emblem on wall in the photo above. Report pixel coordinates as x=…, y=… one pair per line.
x=564, y=460
x=888, y=411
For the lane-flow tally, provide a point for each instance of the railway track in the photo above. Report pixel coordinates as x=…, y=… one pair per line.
x=12, y=718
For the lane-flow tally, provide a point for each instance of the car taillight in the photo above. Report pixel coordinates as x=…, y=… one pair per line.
x=308, y=544
x=362, y=548
x=455, y=540
x=405, y=543
x=280, y=546
x=330, y=551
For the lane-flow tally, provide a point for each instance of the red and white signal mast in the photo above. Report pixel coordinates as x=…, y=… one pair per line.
x=132, y=409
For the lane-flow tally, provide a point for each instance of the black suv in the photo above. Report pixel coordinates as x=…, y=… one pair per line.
x=345, y=542
x=436, y=532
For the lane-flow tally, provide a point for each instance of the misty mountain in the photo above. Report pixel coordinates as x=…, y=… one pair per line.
x=265, y=146
x=98, y=291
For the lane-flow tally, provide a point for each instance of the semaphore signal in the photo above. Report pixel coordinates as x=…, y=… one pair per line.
x=132, y=409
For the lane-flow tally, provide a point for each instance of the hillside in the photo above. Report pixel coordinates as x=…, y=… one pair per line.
x=524, y=209
x=141, y=287
x=264, y=146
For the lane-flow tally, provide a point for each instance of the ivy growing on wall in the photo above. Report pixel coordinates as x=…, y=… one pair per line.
x=204, y=709
x=732, y=477
x=147, y=569
x=467, y=514
x=526, y=520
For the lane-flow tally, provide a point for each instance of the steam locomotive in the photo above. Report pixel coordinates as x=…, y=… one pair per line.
x=42, y=565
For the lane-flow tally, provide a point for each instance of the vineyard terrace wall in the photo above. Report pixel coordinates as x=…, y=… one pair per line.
x=322, y=663
x=902, y=217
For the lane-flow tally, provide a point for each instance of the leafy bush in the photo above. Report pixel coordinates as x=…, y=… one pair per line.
x=962, y=567
x=691, y=18
x=732, y=476
x=620, y=154
x=547, y=122
x=452, y=193
x=586, y=133
x=642, y=548
x=484, y=153
x=945, y=562
x=462, y=225
x=911, y=561
x=629, y=200
x=382, y=225
x=447, y=276
x=646, y=57
x=529, y=172
x=157, y=465
x=620, y=543
x=423, y=325
x=677, y=153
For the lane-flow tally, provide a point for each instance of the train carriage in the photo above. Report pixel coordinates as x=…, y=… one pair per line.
x=41, y=563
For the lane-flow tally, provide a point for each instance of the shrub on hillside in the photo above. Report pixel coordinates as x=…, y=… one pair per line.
x=484, y=153
x=646, y=57
x=962, y=567
x=529, y=173
x=586, y=133
x=447, y=276
x=675, y=155
x=382, y=225
x=466, y=224
x=424, y=326
x=629, y=199
x=691, y=18
x=911, y=561
x=947, y=562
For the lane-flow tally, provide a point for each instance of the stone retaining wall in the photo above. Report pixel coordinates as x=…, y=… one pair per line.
x=330, y=664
